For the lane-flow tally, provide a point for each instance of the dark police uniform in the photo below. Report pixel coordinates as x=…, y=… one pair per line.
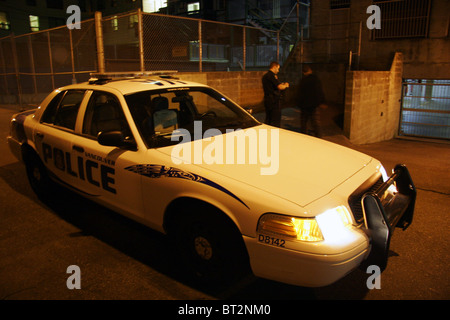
x=272, y=99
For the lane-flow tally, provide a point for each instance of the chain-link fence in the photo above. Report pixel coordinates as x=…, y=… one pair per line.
x=120, y=43
x=34, y=64
x=332, y=43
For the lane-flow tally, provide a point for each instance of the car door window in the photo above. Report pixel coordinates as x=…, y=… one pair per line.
x=104, y=114
x=62, y=111
x=52, y=107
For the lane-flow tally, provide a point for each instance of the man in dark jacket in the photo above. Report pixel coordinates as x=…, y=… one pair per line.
x=272, y=94
x=310, y=97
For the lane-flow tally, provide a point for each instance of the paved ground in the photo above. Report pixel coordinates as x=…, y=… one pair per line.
x=121, y=260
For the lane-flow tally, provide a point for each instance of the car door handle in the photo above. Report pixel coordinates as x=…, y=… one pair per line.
x=78, y=148
x=39, y=135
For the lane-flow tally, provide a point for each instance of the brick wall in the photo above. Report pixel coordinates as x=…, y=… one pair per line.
x=243, y=87
x=372, y=103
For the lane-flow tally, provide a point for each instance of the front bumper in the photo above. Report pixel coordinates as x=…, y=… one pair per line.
x=384, y=209
x=302, y=268
x=382, y=213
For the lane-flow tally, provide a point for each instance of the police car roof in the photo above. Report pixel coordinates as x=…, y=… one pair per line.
x=128, y=83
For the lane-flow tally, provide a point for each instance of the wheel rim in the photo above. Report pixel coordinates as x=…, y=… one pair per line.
x=36, y=173
x=203, y=248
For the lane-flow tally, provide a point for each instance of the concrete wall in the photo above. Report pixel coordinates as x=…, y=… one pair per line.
x=424, y=58
x=372, y=103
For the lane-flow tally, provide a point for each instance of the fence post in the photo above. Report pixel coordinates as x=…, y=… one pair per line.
x=244, y=48
x=3, y=64
x=74, y=79
x=51, y=59
x=298, y=21
x=350, y=61
x=141, y=41
x=33, y=68
x=200, y=46
x=16, y=68
x=359, y=44
x=99, y=37
x=329, y=38
x=301, y=45
x=278, y=45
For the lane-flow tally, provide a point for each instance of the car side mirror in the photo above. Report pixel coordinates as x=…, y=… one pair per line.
x=115, y=139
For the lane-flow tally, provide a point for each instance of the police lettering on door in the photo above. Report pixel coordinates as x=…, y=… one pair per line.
x=82, y=168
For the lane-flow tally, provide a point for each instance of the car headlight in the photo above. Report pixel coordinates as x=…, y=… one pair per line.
x=303, y=229
x=329, y=223
x=335, y=223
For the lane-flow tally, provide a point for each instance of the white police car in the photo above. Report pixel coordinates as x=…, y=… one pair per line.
x=185, y=160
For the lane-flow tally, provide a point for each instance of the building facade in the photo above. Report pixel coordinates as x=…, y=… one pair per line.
x=419, y=29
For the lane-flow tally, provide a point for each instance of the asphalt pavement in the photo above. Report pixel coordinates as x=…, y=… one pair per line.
x=122, y=260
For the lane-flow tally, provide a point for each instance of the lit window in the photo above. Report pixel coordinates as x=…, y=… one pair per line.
x=193, y=7
x=153, y=5
x=34, y=23
x=4, y=22
x=276, y=9
x=115, y=23
x=133, y=20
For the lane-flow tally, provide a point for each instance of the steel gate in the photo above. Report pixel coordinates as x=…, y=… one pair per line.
x=425, y=110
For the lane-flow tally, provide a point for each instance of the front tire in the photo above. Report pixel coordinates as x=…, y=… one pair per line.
x=211, y=247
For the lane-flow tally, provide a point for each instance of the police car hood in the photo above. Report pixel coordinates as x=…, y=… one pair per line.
x=293, y=166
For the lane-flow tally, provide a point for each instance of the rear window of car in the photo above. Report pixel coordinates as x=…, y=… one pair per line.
x=62, y=111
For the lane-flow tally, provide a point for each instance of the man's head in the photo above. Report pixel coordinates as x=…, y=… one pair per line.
x=274, y=67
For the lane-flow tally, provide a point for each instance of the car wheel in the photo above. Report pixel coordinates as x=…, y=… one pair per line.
x=211, y=248
x=37, y=176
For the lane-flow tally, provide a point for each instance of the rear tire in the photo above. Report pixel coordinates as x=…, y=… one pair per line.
x=38, y=176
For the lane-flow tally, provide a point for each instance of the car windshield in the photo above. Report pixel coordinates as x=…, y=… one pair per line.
x=160, y=113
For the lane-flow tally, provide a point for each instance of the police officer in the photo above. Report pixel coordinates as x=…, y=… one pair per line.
x=273, y=89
